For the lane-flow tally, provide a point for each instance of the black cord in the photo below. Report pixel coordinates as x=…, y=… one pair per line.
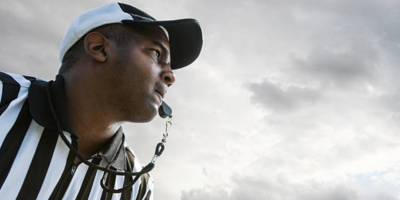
x=159, y=149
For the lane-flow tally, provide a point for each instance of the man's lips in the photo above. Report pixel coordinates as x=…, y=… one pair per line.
x=162, y=94
x=161, y=89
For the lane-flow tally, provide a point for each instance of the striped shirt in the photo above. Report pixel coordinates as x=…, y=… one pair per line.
x=35, y=163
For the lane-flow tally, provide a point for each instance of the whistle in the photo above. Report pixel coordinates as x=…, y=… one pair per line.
x=164, y=110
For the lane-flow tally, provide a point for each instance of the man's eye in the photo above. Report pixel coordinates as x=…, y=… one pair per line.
x=157, y=53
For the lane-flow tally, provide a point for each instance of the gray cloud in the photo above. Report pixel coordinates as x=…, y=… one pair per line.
x=343, y=70
x=275, y=98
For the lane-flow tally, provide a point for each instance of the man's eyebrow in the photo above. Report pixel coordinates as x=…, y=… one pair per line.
x=164, y=50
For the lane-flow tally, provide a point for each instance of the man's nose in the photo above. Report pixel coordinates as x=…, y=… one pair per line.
x=168, y=77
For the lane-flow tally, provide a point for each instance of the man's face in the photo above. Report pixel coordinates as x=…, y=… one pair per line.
x=139, y=75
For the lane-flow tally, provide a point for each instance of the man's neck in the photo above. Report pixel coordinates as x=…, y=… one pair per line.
x=88, y=118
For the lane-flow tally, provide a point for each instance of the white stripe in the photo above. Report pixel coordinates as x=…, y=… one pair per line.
x=76, y=182
x=119, y=183
x=58, y=162
x=136, y=168
x=135, y=188
x=97, y=190
x=21, y=164
x=10, y=115
x=1, y=89
x=22, y=81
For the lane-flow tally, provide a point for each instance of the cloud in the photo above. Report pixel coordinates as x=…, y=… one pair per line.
x=276, y=98
x=260, y=189
x=342, y=70
x=209, y=193
x=249, y=188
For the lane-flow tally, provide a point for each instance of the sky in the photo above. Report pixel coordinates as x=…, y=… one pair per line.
x=289, y=99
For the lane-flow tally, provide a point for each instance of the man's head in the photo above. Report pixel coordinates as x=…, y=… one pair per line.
x=118, y=33
x=132, y=78
x=184, y=35
x=132, y=59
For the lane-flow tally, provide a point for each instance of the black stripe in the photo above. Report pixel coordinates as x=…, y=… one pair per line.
x=135, y=13
x=126, y=194
x=130, y=161
x=143, y=186
x=39, y=165
x=110, y=182
x=13, y=140
x=66, y=177
x=87, y=183
x=148, y=195
x=10, y=91
x=30, y=78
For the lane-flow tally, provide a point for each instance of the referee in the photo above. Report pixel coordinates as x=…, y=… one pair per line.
x=63, y=139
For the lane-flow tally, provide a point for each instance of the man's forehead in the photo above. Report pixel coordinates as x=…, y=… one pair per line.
x=154, y=32
x=161, y=32
x=165, y=31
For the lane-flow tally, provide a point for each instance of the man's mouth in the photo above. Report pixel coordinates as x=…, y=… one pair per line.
x=161, y=94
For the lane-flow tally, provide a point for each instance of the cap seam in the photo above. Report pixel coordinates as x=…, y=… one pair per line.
x=133, y=15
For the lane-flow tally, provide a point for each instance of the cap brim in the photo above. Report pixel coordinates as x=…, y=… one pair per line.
x=185, y=39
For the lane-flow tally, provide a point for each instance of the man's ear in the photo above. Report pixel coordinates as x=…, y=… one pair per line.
x=95, y=46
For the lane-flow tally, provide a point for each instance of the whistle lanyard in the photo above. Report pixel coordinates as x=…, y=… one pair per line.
x=107, y=170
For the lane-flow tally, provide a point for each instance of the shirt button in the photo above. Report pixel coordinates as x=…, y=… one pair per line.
x=73, y=170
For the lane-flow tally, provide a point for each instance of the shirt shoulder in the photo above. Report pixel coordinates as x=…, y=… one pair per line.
x=13, y=87
x=16, y=79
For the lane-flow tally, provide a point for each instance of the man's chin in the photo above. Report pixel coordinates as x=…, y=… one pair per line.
x=150, y=118
x=147, y=116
